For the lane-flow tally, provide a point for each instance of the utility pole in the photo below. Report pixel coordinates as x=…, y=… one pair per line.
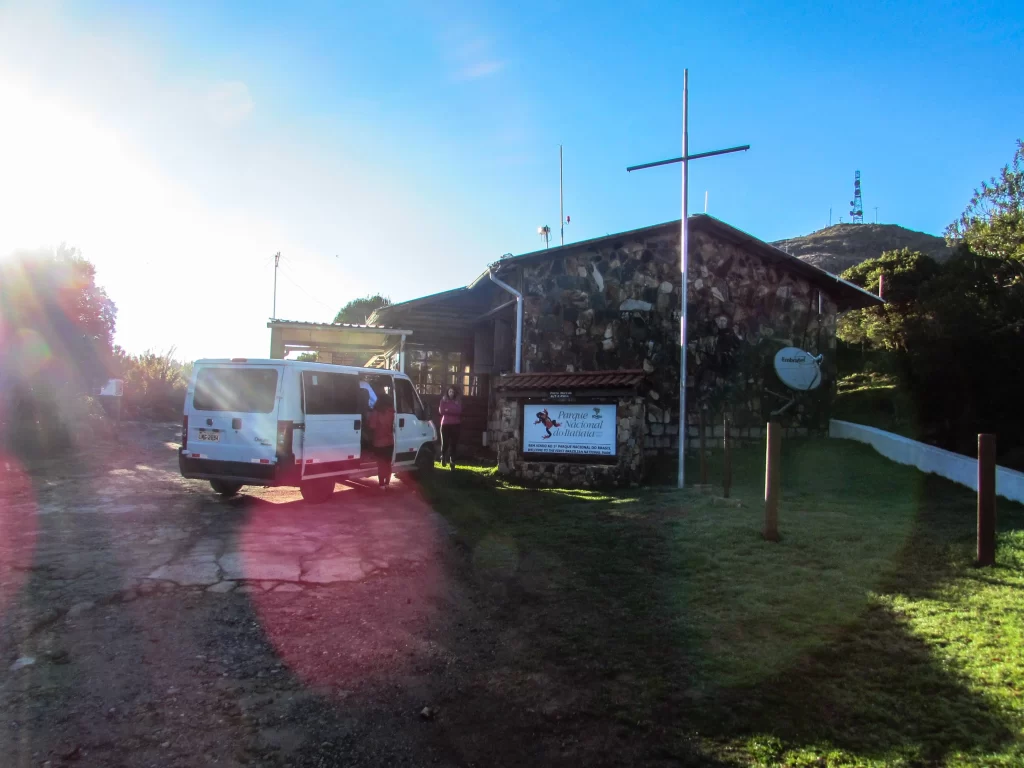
x=684, y=259
x=876, y=214
x=561, y=208
x=277, y=260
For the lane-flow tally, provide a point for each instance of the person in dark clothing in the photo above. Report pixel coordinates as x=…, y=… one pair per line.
x=450, y=411
x=382, y=426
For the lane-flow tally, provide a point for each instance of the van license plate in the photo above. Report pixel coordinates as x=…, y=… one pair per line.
x=213, y=437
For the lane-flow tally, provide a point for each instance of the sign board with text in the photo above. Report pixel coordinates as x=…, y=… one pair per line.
x=577, y=429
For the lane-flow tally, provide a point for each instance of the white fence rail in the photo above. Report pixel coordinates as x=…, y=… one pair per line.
x=952, y=466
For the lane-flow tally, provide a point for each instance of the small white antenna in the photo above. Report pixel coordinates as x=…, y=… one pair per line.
x=705, y=201
x=545, y=233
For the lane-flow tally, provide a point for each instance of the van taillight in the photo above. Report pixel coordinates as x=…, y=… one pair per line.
x=184, y=432
x=284, y=439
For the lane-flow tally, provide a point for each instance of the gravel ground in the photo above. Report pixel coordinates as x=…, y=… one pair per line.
x=148, y=622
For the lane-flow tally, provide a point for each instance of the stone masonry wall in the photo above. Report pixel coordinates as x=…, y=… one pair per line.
x=624, y=469
x=615, y=305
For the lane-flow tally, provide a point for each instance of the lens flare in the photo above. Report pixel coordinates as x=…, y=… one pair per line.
x=18, y=521
x=360, y=578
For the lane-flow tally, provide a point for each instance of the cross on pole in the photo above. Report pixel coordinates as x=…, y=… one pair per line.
x=684, y=258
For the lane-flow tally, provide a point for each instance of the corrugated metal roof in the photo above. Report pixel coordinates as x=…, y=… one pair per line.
x=273, y=322
x=571, y=380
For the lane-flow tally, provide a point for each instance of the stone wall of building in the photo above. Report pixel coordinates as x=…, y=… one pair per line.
x=625, y=469
x=615, y=305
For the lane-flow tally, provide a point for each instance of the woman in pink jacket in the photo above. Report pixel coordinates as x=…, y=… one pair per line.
x=450, y=411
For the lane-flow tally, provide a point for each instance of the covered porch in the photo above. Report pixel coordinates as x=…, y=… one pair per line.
x=364, y=346
x=464, y=338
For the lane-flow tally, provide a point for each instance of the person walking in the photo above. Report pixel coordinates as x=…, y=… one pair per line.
x=450, y=410
x=382, y=427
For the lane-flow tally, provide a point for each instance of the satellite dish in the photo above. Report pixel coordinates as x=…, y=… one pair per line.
x=797, y=369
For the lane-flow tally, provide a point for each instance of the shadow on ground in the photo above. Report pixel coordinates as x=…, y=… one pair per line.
x=631, y=629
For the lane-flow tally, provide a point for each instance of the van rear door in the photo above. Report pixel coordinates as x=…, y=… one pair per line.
x=331, y=441
x=233, y=413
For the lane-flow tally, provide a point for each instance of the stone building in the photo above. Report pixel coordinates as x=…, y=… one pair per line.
x=612, y=304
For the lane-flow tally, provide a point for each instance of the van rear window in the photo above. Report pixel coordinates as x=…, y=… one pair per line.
x=246, y=390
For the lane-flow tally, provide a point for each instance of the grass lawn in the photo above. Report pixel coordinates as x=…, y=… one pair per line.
x=876, y=400
x=864, y=638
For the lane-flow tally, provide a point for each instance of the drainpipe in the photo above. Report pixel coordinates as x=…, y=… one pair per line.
x=519, y=317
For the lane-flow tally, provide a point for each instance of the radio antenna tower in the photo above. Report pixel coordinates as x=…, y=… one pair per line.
x=857, y=204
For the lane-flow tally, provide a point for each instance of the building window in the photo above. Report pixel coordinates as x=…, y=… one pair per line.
x=433, y=371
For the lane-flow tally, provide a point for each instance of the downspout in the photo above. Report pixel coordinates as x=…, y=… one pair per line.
x=519, y=317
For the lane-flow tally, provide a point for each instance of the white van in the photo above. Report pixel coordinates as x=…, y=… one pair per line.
x=284, y=422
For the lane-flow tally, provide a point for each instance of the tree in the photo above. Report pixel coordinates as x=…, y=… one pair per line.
x=154, y=382
x=308, y=357
x=358, y=310
x=50, y=305
x=906, y=272
x=993, y=222
x=56, y=330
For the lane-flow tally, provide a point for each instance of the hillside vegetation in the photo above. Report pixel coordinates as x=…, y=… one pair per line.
x=841, y=246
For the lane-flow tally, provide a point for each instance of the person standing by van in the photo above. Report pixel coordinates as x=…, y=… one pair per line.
x=382, y=427
x=450, y=411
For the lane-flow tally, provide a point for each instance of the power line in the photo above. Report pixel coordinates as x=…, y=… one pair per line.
x=291, y=280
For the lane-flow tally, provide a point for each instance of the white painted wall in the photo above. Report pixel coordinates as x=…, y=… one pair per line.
x=953, y=466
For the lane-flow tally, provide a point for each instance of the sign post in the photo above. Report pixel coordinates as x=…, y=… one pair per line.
x=684, y=258
x=986, y=500
x=771, y=481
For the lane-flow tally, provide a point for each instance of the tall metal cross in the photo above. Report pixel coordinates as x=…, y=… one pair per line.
x=684, y=259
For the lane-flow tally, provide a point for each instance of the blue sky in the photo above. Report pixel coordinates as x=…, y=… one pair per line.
x=401, y=146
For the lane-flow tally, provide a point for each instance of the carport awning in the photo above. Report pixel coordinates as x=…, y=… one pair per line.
x=361, y=341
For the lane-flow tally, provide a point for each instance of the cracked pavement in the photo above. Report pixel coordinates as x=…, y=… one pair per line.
x=147, y=621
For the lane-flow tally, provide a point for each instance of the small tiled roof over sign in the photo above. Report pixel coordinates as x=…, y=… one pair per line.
x=571, y=380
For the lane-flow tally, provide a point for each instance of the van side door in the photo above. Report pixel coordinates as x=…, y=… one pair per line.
x=332, y=423
x=412, y=428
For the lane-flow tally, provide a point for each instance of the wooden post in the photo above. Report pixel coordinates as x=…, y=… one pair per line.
x=986, y=500
x=703, y=452
x=772, y=490
x=727, y=461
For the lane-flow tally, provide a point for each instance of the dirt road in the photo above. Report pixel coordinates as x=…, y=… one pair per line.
x=146, y=621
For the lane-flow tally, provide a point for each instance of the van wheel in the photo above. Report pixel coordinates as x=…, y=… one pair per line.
x=317, y=491
x=425, y=460
x=224, y=488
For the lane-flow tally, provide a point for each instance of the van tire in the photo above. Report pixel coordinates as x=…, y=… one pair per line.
x=317, y=491
x=225, y=488
x=425, y=459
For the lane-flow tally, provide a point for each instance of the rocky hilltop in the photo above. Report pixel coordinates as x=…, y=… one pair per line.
x=842, y=246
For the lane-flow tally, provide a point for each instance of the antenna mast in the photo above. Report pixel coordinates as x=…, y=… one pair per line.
x=561, y=207
x=277, y=260
x=857, y=205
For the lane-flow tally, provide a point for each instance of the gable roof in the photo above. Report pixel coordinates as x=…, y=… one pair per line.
x=846, y=294
x=574, y=380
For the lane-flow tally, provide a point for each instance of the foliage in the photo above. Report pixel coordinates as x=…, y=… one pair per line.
x=56, y=329
x=993, y=222
x=154, y=382
x=953, y=335
x=358, y=310
x=308, y=357
x=865, y=638
x=55, y=322
x=905, y=272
